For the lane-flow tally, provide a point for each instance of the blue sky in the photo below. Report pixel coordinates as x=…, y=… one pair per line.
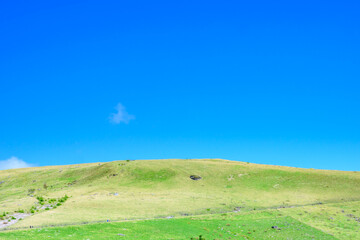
x=273, y=82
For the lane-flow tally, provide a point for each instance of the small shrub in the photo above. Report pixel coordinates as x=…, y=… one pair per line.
x=199, y=238
x=47, y=208
x=40, y=199
x=63, y=199
x=31, y=190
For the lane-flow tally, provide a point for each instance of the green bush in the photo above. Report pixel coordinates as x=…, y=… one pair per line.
x=64, y=198
x=199, y=238
x=40, y=199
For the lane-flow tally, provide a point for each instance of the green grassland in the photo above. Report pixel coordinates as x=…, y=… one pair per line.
x=262, y=195
x=325, y=221
x=218, y=227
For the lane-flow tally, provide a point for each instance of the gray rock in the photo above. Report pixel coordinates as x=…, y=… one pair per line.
x=195, y=177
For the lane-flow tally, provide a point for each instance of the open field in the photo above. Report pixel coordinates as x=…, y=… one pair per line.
x=162, y=188
x=247, y=227
x=325, y=221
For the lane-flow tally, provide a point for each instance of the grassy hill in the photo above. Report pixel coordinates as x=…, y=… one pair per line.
x=163, y=188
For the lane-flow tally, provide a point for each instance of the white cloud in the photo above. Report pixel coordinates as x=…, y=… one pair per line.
x=13, y=162
x=121, y=115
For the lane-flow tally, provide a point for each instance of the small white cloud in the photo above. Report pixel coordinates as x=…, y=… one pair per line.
x=121, y=115
x=13, y=162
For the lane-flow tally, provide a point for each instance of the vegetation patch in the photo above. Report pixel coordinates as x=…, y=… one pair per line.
x=152, y=175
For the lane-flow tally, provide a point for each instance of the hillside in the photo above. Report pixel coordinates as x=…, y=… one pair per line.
x=158, y=188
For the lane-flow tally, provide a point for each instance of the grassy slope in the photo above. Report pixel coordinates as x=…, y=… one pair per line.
x=163, y=188
x=254, y=226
